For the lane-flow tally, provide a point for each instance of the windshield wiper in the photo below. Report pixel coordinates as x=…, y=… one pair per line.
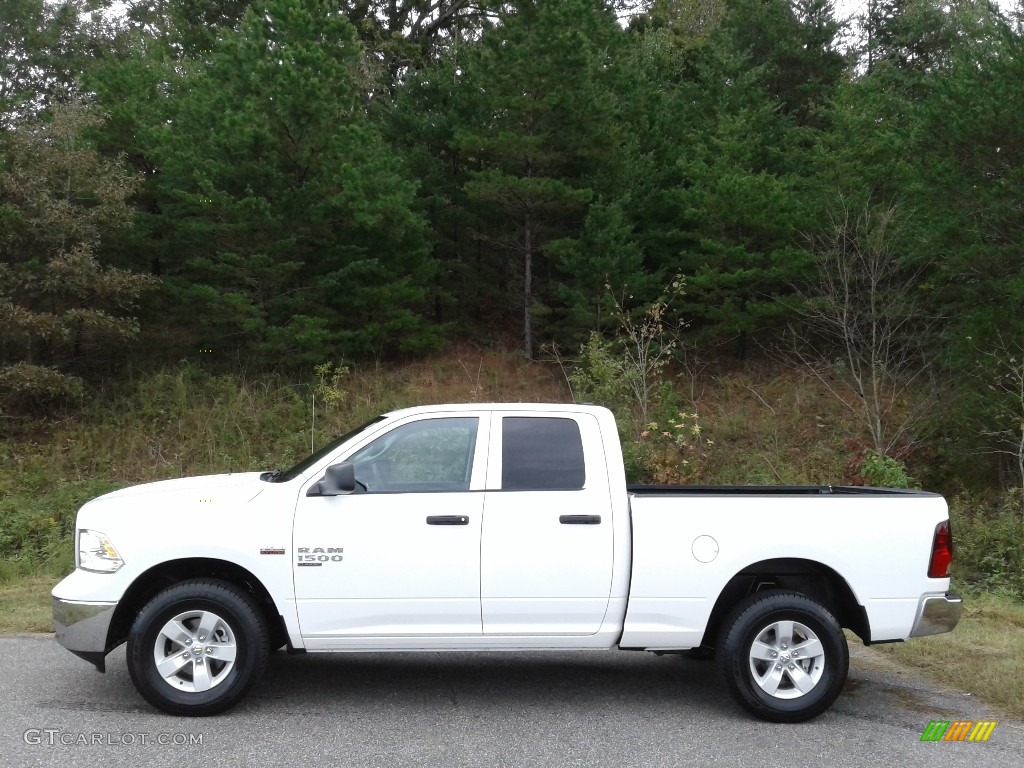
x=271, y=477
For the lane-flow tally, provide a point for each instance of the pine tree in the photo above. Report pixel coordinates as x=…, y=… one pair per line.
x=290, y=221
x=541, y=126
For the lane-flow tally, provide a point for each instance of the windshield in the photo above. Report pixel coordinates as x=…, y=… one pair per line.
x=306, y=463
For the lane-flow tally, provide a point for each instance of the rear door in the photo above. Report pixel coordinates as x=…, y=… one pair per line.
x=546, y=551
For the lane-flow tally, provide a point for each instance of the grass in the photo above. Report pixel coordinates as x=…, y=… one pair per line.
x=984, y=655
x=188, y=421
x=25, y=605
x=772, y=426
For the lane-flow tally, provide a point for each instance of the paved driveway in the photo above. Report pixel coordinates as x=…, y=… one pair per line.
x=487, y=709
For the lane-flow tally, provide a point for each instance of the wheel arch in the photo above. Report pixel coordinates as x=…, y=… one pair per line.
x=807, y=577
x=159, y=577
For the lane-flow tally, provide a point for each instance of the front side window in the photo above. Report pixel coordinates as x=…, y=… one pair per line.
x=309, y=461
x=541, y=454
x=428, y=455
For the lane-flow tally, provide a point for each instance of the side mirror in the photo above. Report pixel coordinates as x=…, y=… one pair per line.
x=339, y=480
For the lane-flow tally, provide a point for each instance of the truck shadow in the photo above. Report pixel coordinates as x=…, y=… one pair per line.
x=487, y=679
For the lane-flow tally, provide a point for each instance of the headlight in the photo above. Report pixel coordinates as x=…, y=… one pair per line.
x=96, y=553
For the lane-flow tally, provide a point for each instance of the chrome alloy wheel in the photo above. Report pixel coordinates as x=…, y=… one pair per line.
x=786, y=659
x=194, y=651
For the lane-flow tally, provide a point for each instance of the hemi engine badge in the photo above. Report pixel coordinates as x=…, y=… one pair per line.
x=272, y=551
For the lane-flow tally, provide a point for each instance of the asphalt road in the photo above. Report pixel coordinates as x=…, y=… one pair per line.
x=491, y=709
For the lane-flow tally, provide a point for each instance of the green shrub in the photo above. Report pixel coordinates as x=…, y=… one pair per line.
x=600, y=376
x=884, y=471
x=625, y=371
x=989, y=542
x=34, y=390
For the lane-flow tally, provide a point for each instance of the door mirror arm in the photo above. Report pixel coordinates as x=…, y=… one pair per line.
x=338, y=480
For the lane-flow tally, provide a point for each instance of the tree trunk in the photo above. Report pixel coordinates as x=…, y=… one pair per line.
x=527, y=286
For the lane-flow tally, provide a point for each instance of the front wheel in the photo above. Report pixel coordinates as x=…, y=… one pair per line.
x=197, y=647
x=783, y=656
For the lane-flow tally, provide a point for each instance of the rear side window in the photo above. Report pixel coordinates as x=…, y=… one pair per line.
x=541, y=454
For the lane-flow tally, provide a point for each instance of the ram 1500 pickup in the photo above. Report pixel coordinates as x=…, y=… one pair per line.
x=497, y=527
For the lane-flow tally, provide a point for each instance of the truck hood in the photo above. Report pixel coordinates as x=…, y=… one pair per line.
x=240, y=486
x=208, y=516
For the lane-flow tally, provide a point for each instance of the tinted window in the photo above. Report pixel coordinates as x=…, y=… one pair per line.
x=428, y=455
x=541, y=454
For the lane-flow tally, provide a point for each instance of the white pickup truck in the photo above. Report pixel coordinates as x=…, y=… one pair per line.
x=497, y=527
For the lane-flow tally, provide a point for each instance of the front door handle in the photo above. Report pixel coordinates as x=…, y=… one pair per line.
x=580, y=519
x=447, y=520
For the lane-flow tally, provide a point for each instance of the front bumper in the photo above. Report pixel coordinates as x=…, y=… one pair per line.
x=82, y=628
x=937, y=614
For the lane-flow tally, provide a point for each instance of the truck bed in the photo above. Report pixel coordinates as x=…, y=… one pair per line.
x=689, y=541
x=769, y=490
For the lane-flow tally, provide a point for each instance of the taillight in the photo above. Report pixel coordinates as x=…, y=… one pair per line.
x=942, y=551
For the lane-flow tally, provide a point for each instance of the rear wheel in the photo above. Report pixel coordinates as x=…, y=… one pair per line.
x=783, y=656
x=197, y=647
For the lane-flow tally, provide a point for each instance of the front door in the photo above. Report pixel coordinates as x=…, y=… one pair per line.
x=400, y=556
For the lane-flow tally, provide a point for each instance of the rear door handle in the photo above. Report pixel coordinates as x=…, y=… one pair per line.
x=580, y=519
x=447, y=520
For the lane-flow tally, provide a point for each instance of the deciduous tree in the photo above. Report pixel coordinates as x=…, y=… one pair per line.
x=864, y=331
x=62, y=313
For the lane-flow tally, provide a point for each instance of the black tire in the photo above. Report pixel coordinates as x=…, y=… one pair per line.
x=820, y=672
x=239, y=624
